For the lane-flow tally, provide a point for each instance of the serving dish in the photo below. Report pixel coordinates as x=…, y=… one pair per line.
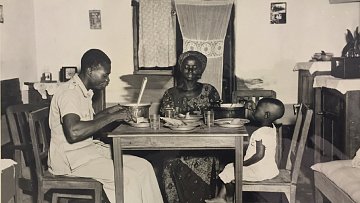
x=231, y=122
x=182, y=128
x=229, y=111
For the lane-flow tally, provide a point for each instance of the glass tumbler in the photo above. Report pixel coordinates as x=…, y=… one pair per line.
x=209, y=118
x=154, y=121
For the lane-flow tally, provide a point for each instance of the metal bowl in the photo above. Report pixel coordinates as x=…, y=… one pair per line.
x=137, y=111
x=229, y=111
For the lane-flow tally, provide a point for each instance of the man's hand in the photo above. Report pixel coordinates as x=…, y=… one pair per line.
x=114, y=109
x=122, y=114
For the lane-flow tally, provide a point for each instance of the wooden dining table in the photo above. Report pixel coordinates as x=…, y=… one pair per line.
x=126, y=137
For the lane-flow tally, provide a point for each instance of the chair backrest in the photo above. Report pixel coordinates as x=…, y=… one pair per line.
x=18, y=121
x=253, y=95
x=40, y=139
x=298, y=141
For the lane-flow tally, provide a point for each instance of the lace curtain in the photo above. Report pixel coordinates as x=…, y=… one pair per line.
x=203, y=25
x=156, y=34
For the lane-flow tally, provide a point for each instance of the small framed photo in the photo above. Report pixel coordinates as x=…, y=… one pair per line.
x=46, y=77
x=278, y=13
x=66, y=73
x=95, y=19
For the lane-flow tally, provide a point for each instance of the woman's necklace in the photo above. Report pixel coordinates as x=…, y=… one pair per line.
x=190, y=87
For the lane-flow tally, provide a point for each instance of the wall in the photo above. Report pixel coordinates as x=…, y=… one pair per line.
x=270, y=51
x=62, y=34
x=17, y=41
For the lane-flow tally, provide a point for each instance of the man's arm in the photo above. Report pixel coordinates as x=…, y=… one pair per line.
x=260, y=153
x=76, y=130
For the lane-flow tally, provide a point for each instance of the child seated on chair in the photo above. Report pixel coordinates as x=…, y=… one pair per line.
x=259, y=160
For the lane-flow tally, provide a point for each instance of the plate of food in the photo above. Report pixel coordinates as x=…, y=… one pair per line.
x=142, y=124
x=179, y=125
x=182, y=127
x=231, y=122
x=190, y=117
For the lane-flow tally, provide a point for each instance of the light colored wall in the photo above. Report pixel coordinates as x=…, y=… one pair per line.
x=61, y=34
x=17, y=41
x=270, y=51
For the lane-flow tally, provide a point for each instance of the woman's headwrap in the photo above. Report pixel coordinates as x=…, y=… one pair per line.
x=195, y=54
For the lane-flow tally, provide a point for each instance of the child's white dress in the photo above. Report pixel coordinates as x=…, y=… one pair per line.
x=264, y=169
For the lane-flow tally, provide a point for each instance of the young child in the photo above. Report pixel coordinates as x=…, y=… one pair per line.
x=259, y=160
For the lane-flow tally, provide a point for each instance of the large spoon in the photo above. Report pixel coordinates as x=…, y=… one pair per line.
x=141, y=91
x=139, y=97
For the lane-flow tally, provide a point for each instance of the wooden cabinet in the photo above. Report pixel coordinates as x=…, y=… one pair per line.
x=337, y=124
x=35, y=97
x=305, y=86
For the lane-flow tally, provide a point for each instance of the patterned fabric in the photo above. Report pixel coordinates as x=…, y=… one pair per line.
x=198, y=55
x=211, y=48
x=208, y=38
x=157, y=29
x=190, y=177
x=207, y=98
x=46, y=88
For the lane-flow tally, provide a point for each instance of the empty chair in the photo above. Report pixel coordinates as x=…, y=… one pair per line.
x=17, y=117
x=40, y=139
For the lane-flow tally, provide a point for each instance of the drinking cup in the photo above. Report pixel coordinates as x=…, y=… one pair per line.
x=170, y=113
x=154, y=121
x=209, y=118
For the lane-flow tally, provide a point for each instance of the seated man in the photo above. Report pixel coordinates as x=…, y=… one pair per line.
x=73, y=125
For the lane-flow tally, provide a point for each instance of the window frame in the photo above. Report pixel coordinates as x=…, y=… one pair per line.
x=151, y=70
x=229, y=77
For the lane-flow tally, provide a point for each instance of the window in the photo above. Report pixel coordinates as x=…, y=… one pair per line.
x=151, y=70
x=229, y=53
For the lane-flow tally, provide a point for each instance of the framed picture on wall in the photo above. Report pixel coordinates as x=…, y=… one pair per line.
x=66, y=73
x=1, y=14
x=278, y=13
x=95, y=19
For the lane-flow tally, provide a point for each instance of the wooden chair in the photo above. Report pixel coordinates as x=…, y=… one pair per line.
x=17, y=118
x=39, y=133
x=287, y=179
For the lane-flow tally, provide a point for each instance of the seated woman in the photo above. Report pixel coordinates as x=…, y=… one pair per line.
x=190, y=177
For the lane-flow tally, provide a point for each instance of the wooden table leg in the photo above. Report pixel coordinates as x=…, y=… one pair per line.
x=118, y=171
x=238, y=168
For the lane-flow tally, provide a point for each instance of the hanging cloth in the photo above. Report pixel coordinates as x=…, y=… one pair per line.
x=203, y=25
x=156, y=34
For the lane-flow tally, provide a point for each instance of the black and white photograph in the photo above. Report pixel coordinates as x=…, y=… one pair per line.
x=95, y=19
x=180, y=101
x=278, y=13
